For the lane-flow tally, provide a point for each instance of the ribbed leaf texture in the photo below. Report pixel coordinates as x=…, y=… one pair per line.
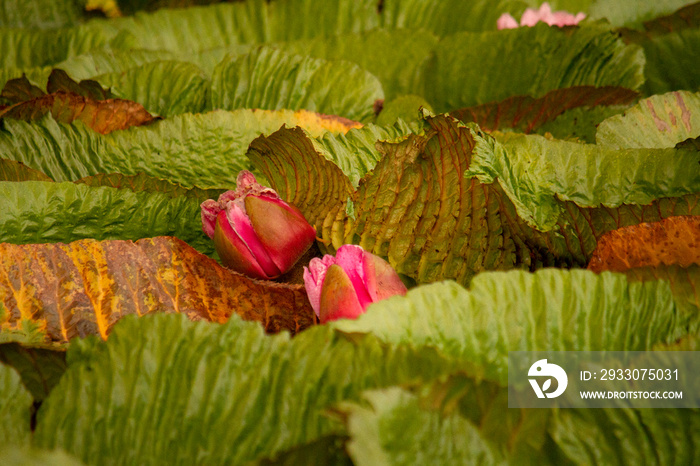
x=83, y=288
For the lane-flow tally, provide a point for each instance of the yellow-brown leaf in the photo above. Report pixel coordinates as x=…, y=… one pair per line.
x=672, y=241
x=85, y=287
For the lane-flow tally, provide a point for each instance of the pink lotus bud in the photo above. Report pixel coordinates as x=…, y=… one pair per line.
x=254, y=231
x=544, y=14
x=343, y=286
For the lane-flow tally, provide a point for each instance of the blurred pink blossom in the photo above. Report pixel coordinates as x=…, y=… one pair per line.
x=544, y=14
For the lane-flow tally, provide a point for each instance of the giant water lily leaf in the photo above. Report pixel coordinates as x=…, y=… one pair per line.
x=552, y=309
x=621, y=436
x=165, y=88
x=22, y=456
x=633, y=13
x=40, y=14
x=28, y=48
x=108, y=60
x=526, y=114
x=103, y=116
x=20, y=90
x=670, y=62
x=256, y=21
x=537, y=173
x=143, y=182
x=395, y=427
x=579, y=124
x=206, y=150
x=395, y=59
x=323, y=189
x=46, y=212
x=59, y=81
x=354, y=152
x=657, y=122
x=686, y=17
x=271, y=79
x=68, y=100
x=663, y=250
x=206, y=376
x=431, y=223
x=476, y=68
x=40, y=367
x=448, y=16
x=417, y=209
x=15, y=408
x=11, y=170
x=675, y=240
x=85, y=287
x=36, y=76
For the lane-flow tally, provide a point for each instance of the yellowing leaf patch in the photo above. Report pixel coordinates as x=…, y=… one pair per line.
x=61, y=291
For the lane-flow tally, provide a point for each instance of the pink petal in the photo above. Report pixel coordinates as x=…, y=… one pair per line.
x=247, y=184
x=530, y=17
x=233, y=251
x=282, y=229
x=210, y=209
x=382, y=280
x=313, y=279
x=351, y=258
x=338, y=297
x=242, y=226
x=506, y=21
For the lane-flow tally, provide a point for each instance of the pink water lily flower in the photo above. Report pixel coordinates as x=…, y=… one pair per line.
x=254, y=231
x=544, y=14
x=345, y=285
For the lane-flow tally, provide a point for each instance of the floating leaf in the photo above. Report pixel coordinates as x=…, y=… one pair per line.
x=271, y=79
x=165, y=88
x=85, y=287
x=324, y=187
x=538, y=173
x=205, y=150
x=19, y=90
x=11, y=170
x=276, y=388
x=392, y=427
x=671, y=62
x=395, y=58
x=15, y=408
x=657, y=122
x=47, y=212
x=526, y=114
x=470, y=69
x=102, y=116
x=674, y=240
x=40, y=367
x=143, y=182
x=39, y=14
x=59, y=81
x=551, y=309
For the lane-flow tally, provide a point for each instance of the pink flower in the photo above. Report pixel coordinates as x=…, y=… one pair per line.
x=343, y=286
x=544, y=14
x=254, y=231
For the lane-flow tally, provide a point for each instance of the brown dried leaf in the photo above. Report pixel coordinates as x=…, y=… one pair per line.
x=83, y=288
x=672, y=241
x=59, y=81
x=104, y=116
x=525, y=113
x=19, y=90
